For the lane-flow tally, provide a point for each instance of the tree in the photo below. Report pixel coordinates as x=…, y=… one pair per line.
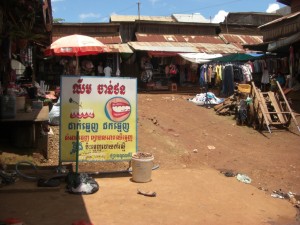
x=58, y=20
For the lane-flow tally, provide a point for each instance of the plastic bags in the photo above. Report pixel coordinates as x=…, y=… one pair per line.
x=54, y=114
x=243, y=178
x=81, y=183
x=206, y=98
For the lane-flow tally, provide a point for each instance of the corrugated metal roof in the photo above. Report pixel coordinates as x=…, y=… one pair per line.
x=163, y=46
x=190, y=18
x=240, y=40
x=178, y=38
x=287, y=17
x=120, y=48
x=217, y=48
x=109, y=39
x=125, y=18
x=104, y=39
x=182, y=47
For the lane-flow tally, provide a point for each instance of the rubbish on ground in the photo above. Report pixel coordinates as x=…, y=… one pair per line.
x=142, y=155
x=206, y=98
x=275, y=195
x=292, y=197
x=7, y=177
x=229, y=173
x=243, y=178
x=54, y=114
x=279, y=194
x=211, y=147
x=147, y=193
x=81, y=183
x=263, y=189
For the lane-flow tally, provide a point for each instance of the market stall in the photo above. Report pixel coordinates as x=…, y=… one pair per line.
x=28, y=129
x=24, y=32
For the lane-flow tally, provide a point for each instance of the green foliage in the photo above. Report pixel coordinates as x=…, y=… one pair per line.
x=58, y=20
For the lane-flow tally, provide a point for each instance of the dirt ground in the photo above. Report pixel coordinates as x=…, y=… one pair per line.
x=191, y=145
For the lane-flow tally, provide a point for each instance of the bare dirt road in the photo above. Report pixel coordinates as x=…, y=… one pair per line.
x=191, y=145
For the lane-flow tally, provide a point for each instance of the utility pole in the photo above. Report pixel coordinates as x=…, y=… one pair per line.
x=139, y=14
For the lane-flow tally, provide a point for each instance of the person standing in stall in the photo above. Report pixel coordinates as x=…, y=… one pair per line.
x=173, y=72
x=148, y=69
x=265, y=79
x=100, y=69
x=107, y=71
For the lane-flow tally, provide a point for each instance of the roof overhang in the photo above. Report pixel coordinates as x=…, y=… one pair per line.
x=119, y=48
x=163, y=47
x=177, y=43
x=262, y=47
x=107, y=39
x=213, y=39
x=162, y=54
x=218, y=48
x=288, y=18
x=183, y=47
x=284, y=42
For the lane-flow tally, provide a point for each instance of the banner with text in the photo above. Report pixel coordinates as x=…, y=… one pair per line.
x=104, y=112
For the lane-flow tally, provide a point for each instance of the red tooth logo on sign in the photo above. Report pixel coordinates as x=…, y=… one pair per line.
x=117, y=109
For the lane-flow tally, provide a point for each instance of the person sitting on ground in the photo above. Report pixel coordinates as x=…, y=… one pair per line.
x=281, y=79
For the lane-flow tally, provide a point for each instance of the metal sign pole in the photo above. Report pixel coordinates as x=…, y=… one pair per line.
x=77, y=150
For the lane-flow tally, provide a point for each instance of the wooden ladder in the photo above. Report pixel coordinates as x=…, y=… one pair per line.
x=272, y=108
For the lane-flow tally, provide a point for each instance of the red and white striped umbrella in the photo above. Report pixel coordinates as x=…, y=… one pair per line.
x=77, y=45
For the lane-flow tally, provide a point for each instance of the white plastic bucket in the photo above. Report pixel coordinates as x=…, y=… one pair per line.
x=142, y=169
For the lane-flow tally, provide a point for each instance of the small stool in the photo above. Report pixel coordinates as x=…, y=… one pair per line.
x=173, y=87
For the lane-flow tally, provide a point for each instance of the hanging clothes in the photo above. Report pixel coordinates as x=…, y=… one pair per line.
x=246, y=70
x=209, y=73
x=203, y=75
x=265, y=79
x=213, y=76
x=218, y=74
x=228, y=80
x=238, y=74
